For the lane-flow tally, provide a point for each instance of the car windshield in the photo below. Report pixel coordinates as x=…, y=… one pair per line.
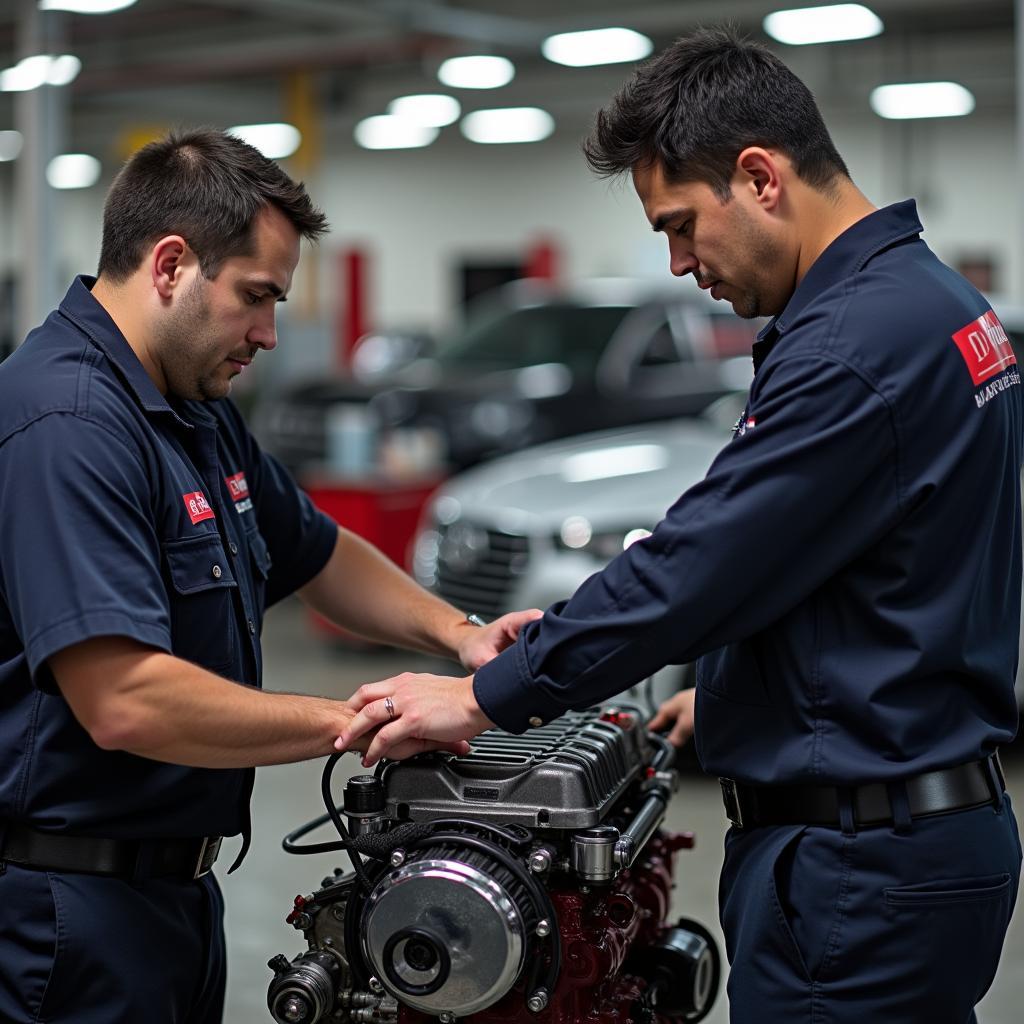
x=509, y=339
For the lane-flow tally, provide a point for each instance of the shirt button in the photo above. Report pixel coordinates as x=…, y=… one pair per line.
x=536, y=722
x=217, y=572
x=252, y=627
x=233, y=548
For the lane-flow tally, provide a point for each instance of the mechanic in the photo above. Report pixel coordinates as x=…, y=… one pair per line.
x=848, y=572
x=144, y=532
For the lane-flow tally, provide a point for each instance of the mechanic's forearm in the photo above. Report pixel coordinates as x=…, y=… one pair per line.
x=362, y=590
x=171, y=710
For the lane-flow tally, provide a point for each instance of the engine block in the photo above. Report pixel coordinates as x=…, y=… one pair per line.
x=526, y=881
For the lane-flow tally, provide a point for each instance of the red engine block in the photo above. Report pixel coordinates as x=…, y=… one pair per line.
x=600, y=928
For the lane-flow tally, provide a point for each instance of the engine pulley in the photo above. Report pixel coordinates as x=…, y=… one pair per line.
x=447, y=930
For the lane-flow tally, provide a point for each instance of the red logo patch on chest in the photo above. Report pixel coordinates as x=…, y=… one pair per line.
x=237, y=486
x=985, y=347
x=197, y=506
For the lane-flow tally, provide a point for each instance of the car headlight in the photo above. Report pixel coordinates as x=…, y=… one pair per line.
x=424, y=559
x=577, y=534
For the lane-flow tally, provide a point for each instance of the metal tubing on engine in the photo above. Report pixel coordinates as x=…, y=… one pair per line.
x=642, y=827
x=666, y=756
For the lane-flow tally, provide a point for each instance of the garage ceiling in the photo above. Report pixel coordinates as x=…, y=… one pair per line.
x=230, y=61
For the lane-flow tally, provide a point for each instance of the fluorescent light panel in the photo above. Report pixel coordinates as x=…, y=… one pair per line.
x=38, y=70
x=431, y=110
x=830, y=24
x=63, y=70
x=385, y=131
x=508, y=124
x=922, y=99
x=597, y=46
x=275, y=140
x=73, y=170
x=85, y=6
x=10, y=145
x=476, y=72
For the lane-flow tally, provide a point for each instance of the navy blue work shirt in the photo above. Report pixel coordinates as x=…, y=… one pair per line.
x=125, y=514
x=849, y=570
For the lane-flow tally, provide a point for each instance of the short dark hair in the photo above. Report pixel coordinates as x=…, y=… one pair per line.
x=204, y=185
x=697, y=105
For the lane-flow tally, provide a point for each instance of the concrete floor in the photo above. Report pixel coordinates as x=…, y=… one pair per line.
x=260, y=894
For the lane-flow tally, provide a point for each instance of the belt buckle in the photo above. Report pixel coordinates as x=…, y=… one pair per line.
x=208, y=851
x=731, y=798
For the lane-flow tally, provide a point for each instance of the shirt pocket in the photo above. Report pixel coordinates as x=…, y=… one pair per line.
x=259, y=554
x=203, y=628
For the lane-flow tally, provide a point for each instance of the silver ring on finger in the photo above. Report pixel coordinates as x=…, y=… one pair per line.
x=389, y=707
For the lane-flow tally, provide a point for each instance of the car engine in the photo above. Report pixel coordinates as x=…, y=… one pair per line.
x=527, y=881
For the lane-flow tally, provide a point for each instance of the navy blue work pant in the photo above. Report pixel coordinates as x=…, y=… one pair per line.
x=83, y=949
x=827, y=928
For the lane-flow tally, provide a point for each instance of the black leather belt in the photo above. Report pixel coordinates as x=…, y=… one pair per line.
x=127, y=858
x=938, y=792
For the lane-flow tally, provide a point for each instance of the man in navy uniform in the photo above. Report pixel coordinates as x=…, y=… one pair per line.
x=144, y=532
x=848, y=573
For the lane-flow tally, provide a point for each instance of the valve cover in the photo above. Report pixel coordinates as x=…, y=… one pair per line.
x=563, y=775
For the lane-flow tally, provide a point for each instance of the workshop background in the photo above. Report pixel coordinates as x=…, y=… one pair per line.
x=481, y=292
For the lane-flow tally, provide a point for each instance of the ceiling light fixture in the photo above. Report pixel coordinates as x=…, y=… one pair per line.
x=275, y=140
x=85, y=6
x=10, y=145
x=597, y=46
x=922, y=99
x=41, y=69
x=63, y=70
x=432, y=110
x=508, y=124
x=476, y=72
x=385, y=131
x=73, y=170
x=830, y=24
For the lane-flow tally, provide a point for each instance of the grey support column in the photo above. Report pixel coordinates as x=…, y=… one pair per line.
x=41, y=117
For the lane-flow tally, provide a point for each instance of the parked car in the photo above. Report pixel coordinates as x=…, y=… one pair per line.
x=527, y=529
x=530, y=365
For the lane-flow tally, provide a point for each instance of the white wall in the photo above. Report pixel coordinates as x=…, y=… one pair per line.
x=417, y=211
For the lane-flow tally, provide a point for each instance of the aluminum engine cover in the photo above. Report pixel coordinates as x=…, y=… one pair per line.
x=563, y=775
x=444, y=934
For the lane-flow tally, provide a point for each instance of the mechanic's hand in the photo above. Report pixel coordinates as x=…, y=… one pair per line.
x=479, y=644
x=430, y=713
x=677, y=709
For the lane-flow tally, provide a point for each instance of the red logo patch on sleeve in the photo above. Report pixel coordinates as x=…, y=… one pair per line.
x=985, y=347
x=198, y=507
x=237, y=486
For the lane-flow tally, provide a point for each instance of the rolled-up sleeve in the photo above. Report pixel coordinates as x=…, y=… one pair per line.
x=812, y=483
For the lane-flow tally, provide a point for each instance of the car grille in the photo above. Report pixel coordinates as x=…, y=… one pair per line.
x=476, y=567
